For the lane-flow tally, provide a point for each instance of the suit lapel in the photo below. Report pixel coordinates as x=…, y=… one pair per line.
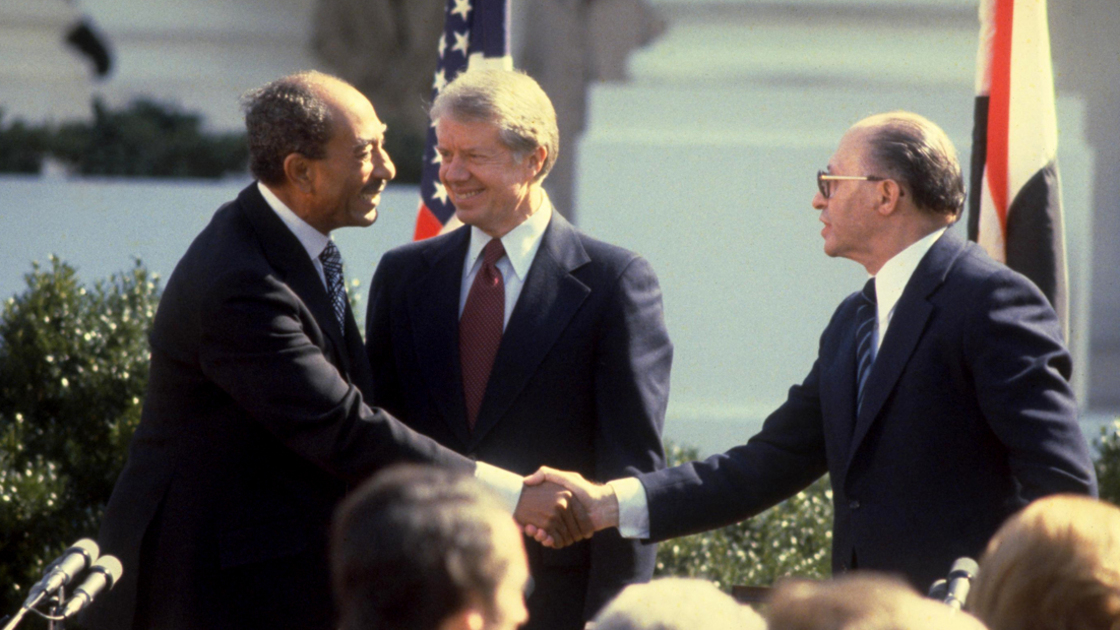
x=549, y=299
x=838, y=387
x=287, y=255
x=433, y=307
x=911, y=314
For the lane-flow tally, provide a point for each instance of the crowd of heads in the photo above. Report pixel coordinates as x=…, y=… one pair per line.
x=418, y=548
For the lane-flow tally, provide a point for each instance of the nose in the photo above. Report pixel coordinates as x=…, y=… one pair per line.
x=819, y=202
x=452, y=169
x=384, y=167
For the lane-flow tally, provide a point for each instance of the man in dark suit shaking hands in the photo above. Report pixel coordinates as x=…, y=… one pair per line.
x=939, y=401
x=520, y=341
x=255, y=422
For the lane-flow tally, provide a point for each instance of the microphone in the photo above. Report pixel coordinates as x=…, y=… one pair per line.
x=103, y=574
x=59, y=573
x=960, y=581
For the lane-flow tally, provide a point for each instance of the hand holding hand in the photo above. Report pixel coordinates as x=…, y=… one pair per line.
x=598, y=500
x=551, y=515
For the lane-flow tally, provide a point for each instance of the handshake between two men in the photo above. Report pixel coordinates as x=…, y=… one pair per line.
x=558, y=508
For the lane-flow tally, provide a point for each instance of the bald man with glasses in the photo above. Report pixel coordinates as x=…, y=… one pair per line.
x=939, y=402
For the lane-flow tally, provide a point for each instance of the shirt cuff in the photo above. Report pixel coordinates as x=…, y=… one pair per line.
x=633, y=507
x=505, y=484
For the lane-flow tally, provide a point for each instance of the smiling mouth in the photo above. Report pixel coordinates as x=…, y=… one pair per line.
x=371, y=192
x=465, y=195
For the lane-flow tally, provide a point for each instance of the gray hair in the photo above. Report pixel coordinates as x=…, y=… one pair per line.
x=289, y=115
x=511, y=100
x=915, y=151
x=676, y=604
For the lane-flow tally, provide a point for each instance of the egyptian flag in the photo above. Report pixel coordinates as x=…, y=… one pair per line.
x=1015, y=206
x=475, y=35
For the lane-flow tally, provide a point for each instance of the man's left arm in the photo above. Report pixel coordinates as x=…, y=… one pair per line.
x=633, y=360
x=1021, y=370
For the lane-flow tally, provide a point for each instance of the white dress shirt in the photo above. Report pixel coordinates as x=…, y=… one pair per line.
x=521, y=245
x=633, y=505
x=505, y=484
x=312, y=240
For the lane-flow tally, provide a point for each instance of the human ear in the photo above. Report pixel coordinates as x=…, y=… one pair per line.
x=299, y=171
x=889, y=192
x=536, y=160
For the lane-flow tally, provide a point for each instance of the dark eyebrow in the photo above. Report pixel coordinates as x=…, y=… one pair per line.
x=361, y=143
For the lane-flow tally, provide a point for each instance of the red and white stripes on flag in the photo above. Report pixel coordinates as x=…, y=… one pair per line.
x=1014, y=207
x=475, y=35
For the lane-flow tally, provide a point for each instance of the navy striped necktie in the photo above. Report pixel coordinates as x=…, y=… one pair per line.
x=865, y=339
x=336, y=288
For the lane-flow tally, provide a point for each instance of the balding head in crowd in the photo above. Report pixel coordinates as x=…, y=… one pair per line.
x=676, y=604
x=861, y=601
x=1054, y=565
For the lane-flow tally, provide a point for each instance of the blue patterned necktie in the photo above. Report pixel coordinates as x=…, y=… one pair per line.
x=336, y=288
x=865, y=339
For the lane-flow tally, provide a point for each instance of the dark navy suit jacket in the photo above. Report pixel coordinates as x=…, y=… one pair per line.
x=253, y=428
x=967, y=416
x=580, y=383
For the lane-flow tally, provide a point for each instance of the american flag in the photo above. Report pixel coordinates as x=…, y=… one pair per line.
x=1015, y=202
x=475, y=35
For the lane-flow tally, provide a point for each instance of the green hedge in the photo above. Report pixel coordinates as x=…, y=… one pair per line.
x=73, y=369
x=145, y=139
x=793, y=538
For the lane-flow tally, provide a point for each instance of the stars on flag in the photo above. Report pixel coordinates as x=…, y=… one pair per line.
x=440, y=81
x=441, y=192
x=462, y=42
x=462, y=7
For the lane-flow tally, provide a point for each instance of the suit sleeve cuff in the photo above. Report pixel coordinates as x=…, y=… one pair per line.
x=633, y=507
x=505, y=484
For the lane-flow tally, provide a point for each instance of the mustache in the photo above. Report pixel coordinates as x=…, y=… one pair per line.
x=374, y=187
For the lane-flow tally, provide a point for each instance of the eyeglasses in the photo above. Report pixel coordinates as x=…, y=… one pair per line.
x=823, y=177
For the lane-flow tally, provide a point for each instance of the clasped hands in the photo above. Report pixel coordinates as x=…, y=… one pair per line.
x=558, y=508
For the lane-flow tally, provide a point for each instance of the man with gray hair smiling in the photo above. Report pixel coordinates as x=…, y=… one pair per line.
x=520, y=341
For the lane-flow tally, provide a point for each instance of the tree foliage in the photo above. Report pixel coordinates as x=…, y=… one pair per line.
x=73, y=369
x=793, y=538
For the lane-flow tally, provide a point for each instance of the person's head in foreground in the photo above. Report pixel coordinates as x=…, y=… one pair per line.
x=422, y=548
x=1053, y=565
x=676, y=604
x=860, y=601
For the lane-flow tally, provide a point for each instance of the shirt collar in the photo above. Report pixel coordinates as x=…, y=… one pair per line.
x=521, y=243
x=893, y=276
x=312, y=240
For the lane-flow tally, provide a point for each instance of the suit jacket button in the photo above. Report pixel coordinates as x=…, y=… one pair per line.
x=853, y=504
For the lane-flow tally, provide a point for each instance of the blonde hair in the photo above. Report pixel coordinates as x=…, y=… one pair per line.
x=1054, y=565
x=860, y=601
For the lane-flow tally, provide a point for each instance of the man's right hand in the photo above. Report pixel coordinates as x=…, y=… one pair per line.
x=598, y=500
x=551, y=515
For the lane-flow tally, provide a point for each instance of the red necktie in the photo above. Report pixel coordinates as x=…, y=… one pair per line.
x=480, y=328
